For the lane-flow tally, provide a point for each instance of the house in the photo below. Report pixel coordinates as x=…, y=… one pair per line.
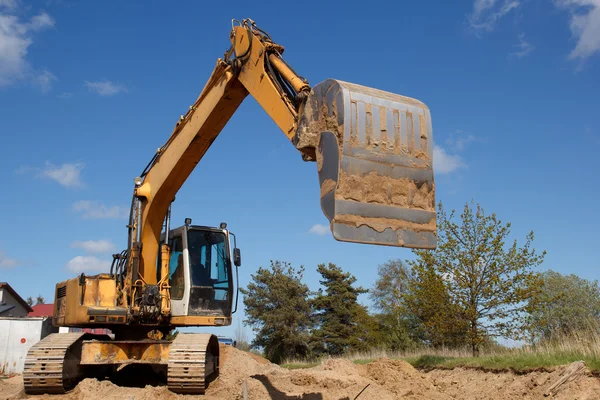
x=11, y=304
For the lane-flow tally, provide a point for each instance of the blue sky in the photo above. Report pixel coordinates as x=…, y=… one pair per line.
x=89, y=90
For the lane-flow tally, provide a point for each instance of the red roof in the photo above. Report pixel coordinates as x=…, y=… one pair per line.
x=42, y=310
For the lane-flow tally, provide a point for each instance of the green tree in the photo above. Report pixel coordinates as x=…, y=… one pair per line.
x=241, y=338
x=337, y=313
x=393, y=283
x=172, y=334
x=278, y=309
x=368, y=333
x=394, y=332
x=438, y=320
x=564, y=304
x=490, y=283
x=40, y=300
x=397, y=323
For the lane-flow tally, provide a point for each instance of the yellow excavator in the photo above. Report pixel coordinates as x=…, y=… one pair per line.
x=373, y=150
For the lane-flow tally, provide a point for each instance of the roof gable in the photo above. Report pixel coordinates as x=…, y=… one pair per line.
x=9, y=289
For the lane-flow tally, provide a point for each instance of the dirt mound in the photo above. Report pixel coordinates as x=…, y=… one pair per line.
x=236, y=367
x=11, y=388
x=480, y=385
x=337, y=379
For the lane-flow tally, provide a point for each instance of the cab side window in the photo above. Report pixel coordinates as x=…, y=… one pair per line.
x=176, y=273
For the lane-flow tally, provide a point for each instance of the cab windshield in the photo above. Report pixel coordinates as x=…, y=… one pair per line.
x=209, y=272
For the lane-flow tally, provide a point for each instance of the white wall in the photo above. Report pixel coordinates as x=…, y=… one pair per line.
x=17, y=335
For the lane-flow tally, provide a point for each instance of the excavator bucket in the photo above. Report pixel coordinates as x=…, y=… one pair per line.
x=374, y=154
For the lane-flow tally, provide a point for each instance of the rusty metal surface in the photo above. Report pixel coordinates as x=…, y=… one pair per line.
x=374, y=154
x=95, y=352
x=51, y=364
x=200, y=320
x=193, y=359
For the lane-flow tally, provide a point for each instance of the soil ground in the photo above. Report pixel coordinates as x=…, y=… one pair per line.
x=338, y=379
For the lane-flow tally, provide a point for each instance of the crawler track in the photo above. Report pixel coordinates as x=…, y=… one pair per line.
x=51, y=364
x=193, y=360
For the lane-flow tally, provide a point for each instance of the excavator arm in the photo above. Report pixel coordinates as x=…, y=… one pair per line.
x=373, y=149
x=255, y=66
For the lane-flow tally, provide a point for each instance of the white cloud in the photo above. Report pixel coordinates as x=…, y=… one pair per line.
x=6, y=262
x=105, y=88
x=65, y=95
x=41, y=21
x=88, y=264
x=460, y=140
x=68, y=175
x=487, y=12
x=44, y=80
x=523, y=47
x=444, y=163
x=95, y=210
x=15, y=40
x=585, y=26
x=94, y=246
x=318, y=229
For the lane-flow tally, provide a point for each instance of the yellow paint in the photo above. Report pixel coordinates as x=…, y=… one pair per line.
x=144, y=190
x=118, y=352
x=197, y=320
x=98, y=291
x=288, y=74
x=221, y=96
x=164, y=281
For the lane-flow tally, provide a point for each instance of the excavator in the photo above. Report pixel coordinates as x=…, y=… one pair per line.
x=373, y=151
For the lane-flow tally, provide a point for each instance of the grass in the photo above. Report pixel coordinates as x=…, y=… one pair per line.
x=520, y=363
x=581, y=346
x=299, y=365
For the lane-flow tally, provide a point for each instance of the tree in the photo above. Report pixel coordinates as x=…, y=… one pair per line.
x=30, y=301
x=564, y=304
x=172, y=334
x=278, y=309
x=40, y=300
x=490, y=283
x=392, y=285
x=438, y=320
x=337, y=313
x=396, y=321
x=368, y=331
x=393, y=332
x=241, y=338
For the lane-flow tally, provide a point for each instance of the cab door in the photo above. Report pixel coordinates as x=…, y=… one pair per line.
x=178, y=274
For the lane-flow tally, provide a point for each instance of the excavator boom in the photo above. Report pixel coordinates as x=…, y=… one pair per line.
x=373, y=148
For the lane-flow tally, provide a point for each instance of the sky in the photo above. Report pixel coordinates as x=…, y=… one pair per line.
x=90, y=90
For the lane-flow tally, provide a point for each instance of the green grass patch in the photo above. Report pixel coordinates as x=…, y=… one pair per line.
x=361, y=361
x=524, y=362
x=516, y=362
x=298, y=365
x=427, y=361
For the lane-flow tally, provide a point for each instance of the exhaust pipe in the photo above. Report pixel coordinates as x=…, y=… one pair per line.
x=374, y=155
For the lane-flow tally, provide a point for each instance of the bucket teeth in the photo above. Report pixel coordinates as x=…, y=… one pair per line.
x=374, y=154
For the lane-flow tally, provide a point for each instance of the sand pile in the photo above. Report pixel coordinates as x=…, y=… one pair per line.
x=337, y=379
x=479, y=385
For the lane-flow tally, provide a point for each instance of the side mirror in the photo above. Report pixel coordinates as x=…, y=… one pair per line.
x=237, y=257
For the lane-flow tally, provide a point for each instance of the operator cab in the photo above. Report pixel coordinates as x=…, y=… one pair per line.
x=200, y=270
